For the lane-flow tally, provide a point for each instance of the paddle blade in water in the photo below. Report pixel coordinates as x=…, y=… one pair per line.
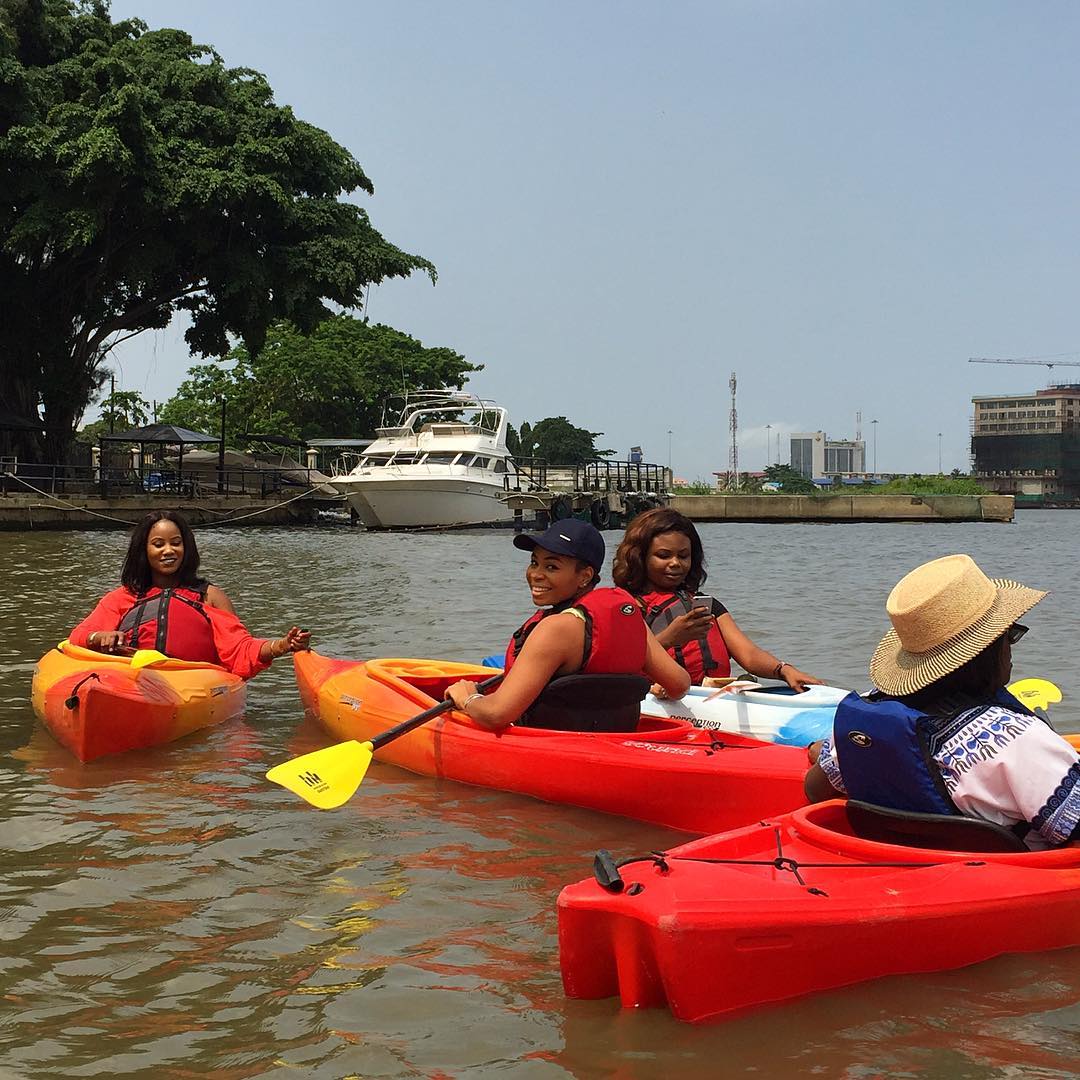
x=325, y=778
x=145, y=657
x=1035, y=693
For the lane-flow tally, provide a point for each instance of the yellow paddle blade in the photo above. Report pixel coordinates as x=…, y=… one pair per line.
x=325, y=778
x=145, y=657
x=1035, y=693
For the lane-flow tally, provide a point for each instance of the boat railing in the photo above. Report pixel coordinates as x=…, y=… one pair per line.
x=604, y=475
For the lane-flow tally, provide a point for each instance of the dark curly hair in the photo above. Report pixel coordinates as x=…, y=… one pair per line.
x=628, y=571
x=136, y=575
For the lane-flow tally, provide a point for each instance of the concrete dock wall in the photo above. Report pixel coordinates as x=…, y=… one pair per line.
x=836, y=508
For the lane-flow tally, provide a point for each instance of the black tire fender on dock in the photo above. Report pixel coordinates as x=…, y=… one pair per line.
x=600, y=513
x=561, y=508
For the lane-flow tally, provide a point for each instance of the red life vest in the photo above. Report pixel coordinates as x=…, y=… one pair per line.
x=173, y=622
x=705, y=656
x=615, y=634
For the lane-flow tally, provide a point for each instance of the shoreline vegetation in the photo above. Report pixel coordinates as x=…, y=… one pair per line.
x=901, y=485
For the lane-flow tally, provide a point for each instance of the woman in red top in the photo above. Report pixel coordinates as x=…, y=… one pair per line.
x=163, y=604
x=661, y=562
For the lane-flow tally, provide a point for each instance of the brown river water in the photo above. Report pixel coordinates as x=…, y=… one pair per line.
x=171, y=914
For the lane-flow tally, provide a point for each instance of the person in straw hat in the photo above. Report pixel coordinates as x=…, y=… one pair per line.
x=942, y=734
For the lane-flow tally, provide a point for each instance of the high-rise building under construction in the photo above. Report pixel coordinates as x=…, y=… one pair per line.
x=1028, y=445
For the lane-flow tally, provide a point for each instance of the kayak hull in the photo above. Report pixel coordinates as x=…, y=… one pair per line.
x=711, y=940
x=667, y=772
x=95, y=704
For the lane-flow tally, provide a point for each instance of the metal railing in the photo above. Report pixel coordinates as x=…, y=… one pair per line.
x=605, y=475
x=110, y=482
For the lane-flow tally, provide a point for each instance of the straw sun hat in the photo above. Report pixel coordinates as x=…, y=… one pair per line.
x=944, y=613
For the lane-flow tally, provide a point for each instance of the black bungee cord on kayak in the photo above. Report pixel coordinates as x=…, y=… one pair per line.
x=606, y=867
x=73, y=701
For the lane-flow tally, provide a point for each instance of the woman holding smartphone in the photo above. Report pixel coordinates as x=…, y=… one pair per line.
x=661, y=563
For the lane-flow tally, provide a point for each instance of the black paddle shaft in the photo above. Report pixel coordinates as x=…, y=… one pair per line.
x=429, y=714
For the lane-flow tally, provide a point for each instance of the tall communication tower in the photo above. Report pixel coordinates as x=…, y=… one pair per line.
x=733, y=455
x=858, y=426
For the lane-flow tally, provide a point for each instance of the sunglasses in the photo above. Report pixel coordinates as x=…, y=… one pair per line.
x=1015, y=633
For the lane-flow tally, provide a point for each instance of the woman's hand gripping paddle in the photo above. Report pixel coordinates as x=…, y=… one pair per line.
x=329, y=777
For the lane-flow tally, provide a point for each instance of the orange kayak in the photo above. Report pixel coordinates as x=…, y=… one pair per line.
x=666, y=772
x=95, y=704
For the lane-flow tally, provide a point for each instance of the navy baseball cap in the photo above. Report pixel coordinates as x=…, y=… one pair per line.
x=568, y=537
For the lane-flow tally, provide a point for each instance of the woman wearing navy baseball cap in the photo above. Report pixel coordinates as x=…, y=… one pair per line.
x=579, y=630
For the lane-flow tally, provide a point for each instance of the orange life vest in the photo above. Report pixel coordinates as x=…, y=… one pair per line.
x=615, y=633
x=704, y=656
x=173, y=622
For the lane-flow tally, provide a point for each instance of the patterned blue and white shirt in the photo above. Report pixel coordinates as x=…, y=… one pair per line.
x=1002, y=766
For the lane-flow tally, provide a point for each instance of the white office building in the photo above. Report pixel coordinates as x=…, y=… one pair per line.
x=815, y=455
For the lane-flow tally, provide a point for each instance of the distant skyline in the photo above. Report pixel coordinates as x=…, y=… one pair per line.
x=842, y=202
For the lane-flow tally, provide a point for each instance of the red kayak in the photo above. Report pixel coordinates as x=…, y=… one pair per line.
x=666, y=772
x=801, y=904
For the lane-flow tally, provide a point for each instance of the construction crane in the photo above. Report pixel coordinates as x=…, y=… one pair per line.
x=1051, y=364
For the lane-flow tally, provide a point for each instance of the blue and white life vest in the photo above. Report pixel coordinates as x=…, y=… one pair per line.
x=883, y=750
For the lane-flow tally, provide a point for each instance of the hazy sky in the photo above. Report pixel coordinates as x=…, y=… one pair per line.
x=839, y=201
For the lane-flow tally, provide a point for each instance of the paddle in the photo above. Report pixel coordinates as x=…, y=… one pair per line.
x=1041, y=694
x=327, y=778
x=1035, y=693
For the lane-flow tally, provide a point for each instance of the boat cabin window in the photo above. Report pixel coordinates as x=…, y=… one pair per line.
x=440, y=457
x=448, y=428
x=376, y=461
x=500, y=465
x=407, y=457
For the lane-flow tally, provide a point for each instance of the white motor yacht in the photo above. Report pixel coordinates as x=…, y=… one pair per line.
x=445, y=464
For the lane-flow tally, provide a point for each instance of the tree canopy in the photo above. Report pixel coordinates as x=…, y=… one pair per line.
x=333, y=381
x=791, y=481
x=141, y=177
x=555, y=440
x=120, y=410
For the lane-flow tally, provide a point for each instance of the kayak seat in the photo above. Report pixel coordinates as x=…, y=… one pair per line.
x=944, y=832
x=598, y=703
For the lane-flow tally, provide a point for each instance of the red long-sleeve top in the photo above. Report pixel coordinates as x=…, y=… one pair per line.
x=237, y=650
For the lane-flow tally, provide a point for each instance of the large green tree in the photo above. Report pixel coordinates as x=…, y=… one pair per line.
x=333, y=381
x=557, y=441
x=791, y=481
x=141, y=177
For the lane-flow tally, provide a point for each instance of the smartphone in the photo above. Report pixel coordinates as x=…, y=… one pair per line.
x=701, y=600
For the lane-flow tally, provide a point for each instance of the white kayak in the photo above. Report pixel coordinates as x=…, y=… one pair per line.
x=773, y=714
